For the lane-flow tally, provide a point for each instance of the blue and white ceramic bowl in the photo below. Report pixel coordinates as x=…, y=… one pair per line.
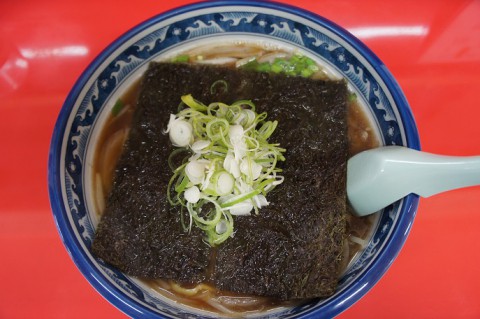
x=124, y=61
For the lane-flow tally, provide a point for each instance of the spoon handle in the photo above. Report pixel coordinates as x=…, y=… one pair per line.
x=427, y=174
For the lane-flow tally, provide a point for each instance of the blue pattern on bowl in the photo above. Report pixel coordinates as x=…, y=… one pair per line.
x=72, y=137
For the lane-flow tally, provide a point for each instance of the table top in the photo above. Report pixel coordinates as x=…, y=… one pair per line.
x=431, y=47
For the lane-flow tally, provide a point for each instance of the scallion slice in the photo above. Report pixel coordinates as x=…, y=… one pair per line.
x=229, y=166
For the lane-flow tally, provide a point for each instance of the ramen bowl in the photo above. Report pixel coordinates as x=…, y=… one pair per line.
x=125, y=60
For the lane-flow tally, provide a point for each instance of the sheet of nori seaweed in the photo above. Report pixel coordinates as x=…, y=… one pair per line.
x=293, y=248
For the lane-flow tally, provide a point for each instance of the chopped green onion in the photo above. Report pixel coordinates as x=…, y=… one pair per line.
x=352, y=97
x=296, y=65
x=117, y=107
x=213, y=88
x=181, y=58
x=180, y=131
x=193, y=104
x=192, y=195
x=230, y=165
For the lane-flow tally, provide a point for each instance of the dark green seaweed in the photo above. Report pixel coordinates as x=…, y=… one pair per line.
x=293, y=248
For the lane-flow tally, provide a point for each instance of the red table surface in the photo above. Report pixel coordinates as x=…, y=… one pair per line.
x=431, y=47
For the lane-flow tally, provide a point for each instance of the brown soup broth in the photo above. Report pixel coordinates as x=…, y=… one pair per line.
x=361, y=136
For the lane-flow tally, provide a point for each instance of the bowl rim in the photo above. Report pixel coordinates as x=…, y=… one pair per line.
x=363, y=283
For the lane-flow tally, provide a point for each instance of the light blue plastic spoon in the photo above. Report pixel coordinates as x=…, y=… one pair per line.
x=379, y=177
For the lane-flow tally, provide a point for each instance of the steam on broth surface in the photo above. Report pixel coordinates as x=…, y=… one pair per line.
x=115, y=131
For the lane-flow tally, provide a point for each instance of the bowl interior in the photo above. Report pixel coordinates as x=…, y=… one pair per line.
x=122, y=63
